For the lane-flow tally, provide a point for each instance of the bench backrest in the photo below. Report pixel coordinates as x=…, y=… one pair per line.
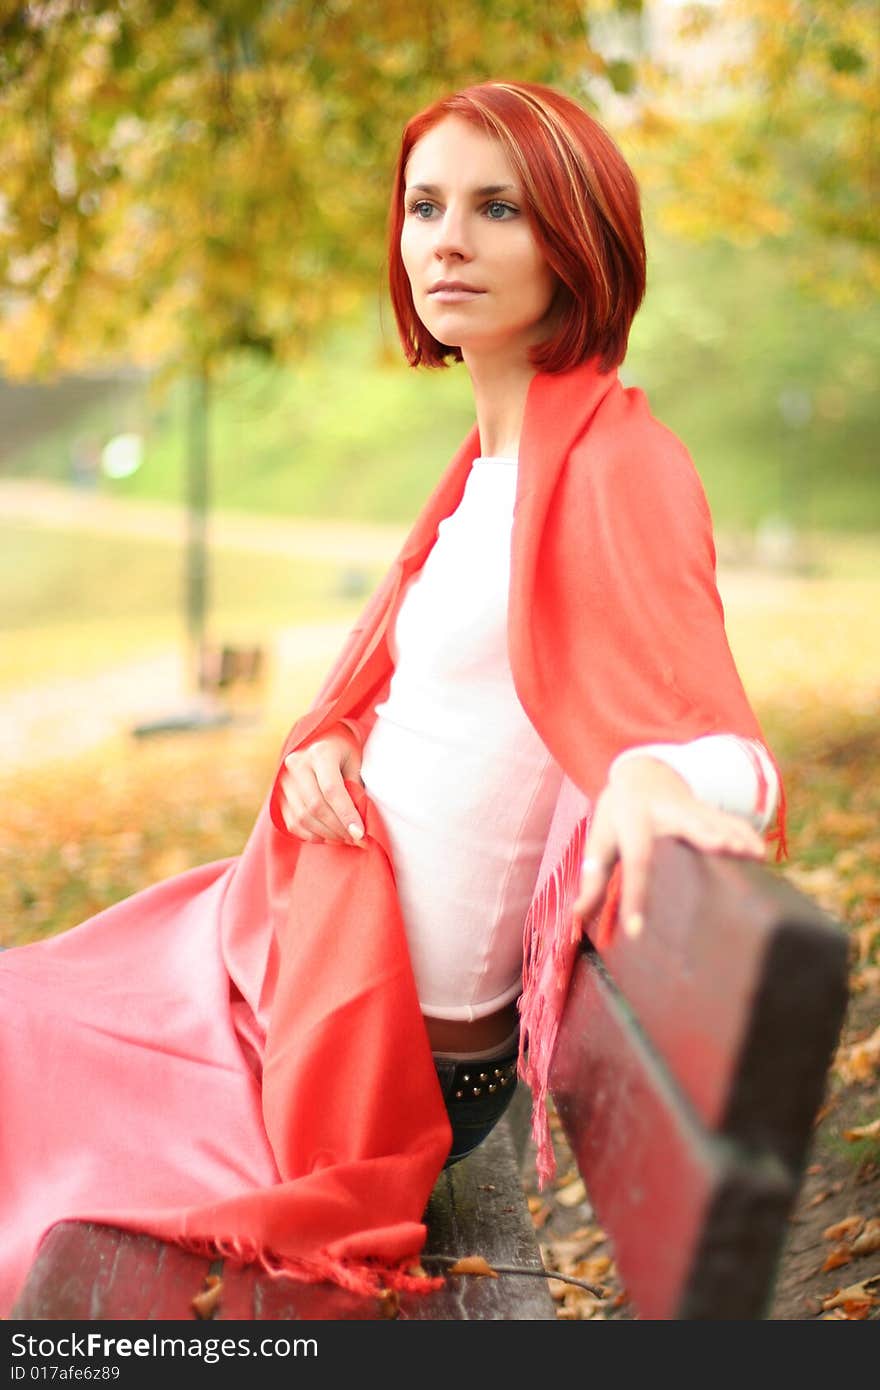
x=690, y=1066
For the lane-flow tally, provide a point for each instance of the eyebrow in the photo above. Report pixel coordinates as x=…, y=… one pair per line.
x=486, y=191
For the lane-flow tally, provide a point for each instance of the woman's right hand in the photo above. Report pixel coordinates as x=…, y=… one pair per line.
x=314, y=801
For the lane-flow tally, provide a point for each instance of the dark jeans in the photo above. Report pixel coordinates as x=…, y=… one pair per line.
x=476, y=1093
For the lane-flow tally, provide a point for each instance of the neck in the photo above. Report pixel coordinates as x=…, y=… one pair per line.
x=500, y=388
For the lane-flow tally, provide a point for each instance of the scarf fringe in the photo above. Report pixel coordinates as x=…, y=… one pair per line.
x=779, y=834
x=550, y=943
x=367, y=1277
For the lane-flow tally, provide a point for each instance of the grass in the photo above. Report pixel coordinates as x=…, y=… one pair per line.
x=78, y=602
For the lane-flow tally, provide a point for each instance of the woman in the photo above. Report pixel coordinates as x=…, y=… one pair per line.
x=246, y=1057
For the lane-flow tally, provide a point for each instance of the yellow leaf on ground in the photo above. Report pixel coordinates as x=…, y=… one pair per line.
x=473, y=1264
x=572, y=1194
x=579, y=1304
x=866, y=980
x=593, y=1270
x=389, y=1303
x=204, y=1303
x=840, y=1255
x=868, y=1240
x=860, y=1060
x=541, y=1214
x=848, y=824
x=871, y=1131
x=845, y=1229
x=865, y=938
x=853, y=1294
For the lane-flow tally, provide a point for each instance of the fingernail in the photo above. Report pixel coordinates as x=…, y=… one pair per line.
x=356, y=830
x=634, y=924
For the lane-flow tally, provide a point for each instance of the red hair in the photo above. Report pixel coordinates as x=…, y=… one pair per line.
x=582, y=201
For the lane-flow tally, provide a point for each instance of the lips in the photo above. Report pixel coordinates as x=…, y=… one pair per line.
x=453, y=287
x=452, y=292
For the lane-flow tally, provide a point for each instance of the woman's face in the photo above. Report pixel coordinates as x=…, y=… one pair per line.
x=479, y=280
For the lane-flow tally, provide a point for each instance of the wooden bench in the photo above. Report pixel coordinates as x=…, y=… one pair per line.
x=689, y=1070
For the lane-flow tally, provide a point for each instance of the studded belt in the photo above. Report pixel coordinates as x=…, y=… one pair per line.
x=471, y=1081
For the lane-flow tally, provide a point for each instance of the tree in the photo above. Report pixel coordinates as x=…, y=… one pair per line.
x=184, y=180
x=756, y=121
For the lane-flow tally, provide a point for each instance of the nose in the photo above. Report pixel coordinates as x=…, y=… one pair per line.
x=452, y=241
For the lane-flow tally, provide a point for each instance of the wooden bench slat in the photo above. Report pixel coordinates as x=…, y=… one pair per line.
x=83, y=1271
x=478, y=1207
x=87, y=1271
x=740, y=982
x=695, y=1221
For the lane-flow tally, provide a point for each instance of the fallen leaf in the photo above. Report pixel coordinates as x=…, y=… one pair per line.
x=562, y=1254
x=865, y=980
x=389, y=1303
x=871, y=1131
x=818, y=1198
x=865, y=938
x=541, y=1215
x=840, y=1255
x=579, y=1304
x=473, y=1264
x=204, y=1303
x=843, y=1229
x=848, y=824
x=869, y=1239
x=859, y=1060
x=853, y=1294
x=857, y=1309
x=573, y=1194
x=863, y=886
x=593, y=1270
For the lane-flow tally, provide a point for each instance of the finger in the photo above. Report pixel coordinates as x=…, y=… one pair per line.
x=636, y=847
x=307, y=826
x=331, y=784
x=594, y=879
x=290, y=814
x=600, y=853
x=309, y=816
x=716, y=832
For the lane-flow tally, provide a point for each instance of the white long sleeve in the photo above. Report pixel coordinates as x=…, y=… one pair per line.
x=735, y=774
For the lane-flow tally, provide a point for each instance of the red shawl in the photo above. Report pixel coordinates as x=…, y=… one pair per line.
x=616, y=637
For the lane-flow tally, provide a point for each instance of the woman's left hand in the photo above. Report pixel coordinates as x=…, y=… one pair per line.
x=643, y=799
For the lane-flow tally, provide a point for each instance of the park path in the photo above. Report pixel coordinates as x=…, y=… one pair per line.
x=71, y=714
x=56, y=506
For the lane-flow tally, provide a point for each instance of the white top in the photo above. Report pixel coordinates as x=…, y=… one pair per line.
x=462, y=780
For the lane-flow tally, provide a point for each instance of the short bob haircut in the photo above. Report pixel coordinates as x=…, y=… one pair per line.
x=582, y=201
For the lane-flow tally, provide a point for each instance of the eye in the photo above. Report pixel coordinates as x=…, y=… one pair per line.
x=497, y=211
x=421, y=209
